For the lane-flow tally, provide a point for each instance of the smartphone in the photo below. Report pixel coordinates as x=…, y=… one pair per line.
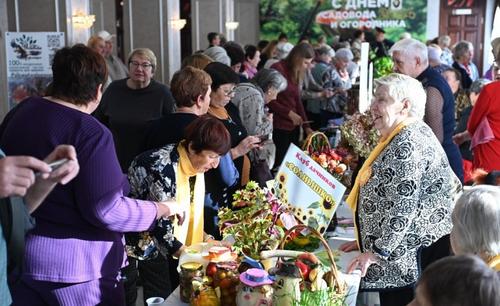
x=263, y=138
x=54, y=165
x=58, y=163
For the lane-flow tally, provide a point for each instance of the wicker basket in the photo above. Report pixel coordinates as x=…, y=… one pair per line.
x=316, y=142
x=334, y=280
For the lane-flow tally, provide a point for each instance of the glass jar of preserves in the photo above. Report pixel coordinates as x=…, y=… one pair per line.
x=189, y=271
x=227, y=279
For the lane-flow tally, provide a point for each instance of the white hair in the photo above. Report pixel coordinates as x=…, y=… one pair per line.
x=401, y=87
x=344, y=54
x=410, y=47
x=404, y=35
x=476, y=221
x=461, y=48
x=444, y=40
x=434, y=54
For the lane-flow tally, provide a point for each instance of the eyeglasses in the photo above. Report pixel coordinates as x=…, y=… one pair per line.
x=144, y=65
x=230, y=92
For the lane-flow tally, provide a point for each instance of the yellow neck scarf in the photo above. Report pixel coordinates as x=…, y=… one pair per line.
x=191, y=231
x=494, y=263
x=218, y=112
x=222, y=114
x=365, y=172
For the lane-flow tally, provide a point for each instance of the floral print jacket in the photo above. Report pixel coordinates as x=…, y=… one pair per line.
x=152, y=177
x=404, y=206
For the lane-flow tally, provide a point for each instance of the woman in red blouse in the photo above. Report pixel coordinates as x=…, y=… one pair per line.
x=289, y=114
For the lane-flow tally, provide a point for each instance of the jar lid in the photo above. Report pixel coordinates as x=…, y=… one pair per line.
x=191, y=266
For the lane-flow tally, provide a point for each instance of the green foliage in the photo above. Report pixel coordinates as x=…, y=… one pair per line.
x=382, y=66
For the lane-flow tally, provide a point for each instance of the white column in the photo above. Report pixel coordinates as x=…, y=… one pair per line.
x=77, y=34
x=229, y=22
x=173, y=38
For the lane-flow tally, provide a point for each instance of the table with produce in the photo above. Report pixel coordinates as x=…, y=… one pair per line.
x=284, y=249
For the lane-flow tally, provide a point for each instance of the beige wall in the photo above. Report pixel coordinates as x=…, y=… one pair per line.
x=145, y=24
x=211, y=16
x=105, y=15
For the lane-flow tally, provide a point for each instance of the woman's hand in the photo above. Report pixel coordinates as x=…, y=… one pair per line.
x=219, y=243
x=247, y=144
x=67, y=171
x=47, y=180
x=17, y=174
x=179, y=252
x=461, y=137
x=349, y=246
x=362, y=262
x=296, y=119
x=327, y=93
x=171, y=208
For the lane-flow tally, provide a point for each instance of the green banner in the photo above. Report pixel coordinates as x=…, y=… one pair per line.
x=342, y=17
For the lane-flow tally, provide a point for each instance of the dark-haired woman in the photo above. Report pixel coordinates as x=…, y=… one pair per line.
x=74, y=254
x=252, y=59
x=224, y=80
x=288, y=110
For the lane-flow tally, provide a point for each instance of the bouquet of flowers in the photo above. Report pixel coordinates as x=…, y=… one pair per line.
x=360, y=133
x=253, y=220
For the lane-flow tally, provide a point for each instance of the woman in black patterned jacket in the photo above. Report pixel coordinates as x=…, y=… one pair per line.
x=403, y=195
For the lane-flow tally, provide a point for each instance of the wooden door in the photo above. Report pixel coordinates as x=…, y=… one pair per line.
x=464, y=20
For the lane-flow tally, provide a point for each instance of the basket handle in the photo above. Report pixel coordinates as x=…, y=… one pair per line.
x=309, y=144
x=334, y=280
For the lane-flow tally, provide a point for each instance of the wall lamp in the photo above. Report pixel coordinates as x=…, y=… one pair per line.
x=83, y=21
x=232, y=25
x=177, y=24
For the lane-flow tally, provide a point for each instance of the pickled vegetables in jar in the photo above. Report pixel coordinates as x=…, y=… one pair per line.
x=227, y=279
x=203, y=294
x=189, y=271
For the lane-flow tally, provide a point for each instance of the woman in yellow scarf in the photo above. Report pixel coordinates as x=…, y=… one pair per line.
x=175, y=171
x=403, y=195
x=476, y=224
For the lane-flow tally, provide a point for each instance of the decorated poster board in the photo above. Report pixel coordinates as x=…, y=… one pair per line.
x=29, y=61
x=310, y=190
x=342, y=17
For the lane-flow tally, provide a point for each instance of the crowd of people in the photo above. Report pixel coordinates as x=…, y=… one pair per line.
x=155, y=162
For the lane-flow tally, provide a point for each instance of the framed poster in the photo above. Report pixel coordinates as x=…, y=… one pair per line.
x=29, y=62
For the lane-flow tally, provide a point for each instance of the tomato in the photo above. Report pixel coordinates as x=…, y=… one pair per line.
x=211, y=269
x=225, y=283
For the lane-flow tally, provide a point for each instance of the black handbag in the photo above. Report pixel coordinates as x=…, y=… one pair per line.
x=260, y=172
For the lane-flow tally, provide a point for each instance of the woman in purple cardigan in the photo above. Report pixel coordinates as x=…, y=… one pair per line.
x=74, y=254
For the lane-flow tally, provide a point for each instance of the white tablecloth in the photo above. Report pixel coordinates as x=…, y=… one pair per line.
x=335, y=239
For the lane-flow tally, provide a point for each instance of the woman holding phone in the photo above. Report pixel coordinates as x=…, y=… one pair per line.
x=251, y=100
x=75, y=251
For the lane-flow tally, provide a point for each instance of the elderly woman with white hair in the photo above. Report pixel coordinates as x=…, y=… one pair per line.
x=403, y=195
x=476, y=224
x=251, y=99
x=463, y=52
x=338, y=80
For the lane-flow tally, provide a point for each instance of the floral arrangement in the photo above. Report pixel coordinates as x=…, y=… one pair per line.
x=360, y=133
x=253, y=221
